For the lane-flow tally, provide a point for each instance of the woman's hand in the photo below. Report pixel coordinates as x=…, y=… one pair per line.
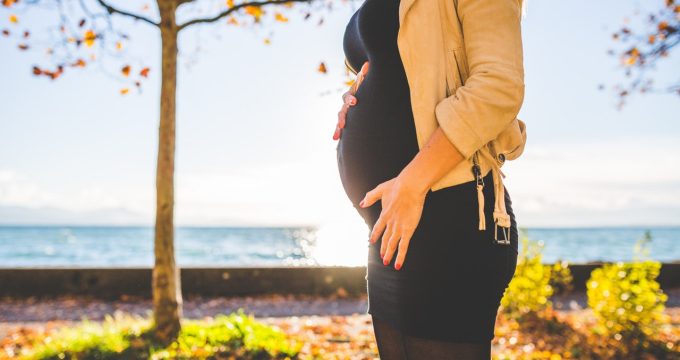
x=349, y=99
x=402, y=206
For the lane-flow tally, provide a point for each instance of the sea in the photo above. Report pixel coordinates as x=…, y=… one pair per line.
x=132, y=246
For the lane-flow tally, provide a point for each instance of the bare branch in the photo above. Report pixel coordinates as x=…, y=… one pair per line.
x=113, y=10
x=235, y=8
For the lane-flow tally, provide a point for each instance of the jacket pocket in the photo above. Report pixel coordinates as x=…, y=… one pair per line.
x=456, y=69
x=453, y=80
x=461, y=64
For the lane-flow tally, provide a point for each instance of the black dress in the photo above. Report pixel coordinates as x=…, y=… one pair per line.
x=453, y=276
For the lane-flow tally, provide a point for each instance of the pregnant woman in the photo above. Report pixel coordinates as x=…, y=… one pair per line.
x=440, y=301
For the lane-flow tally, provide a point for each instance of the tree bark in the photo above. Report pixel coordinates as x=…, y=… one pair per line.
x=167, y=295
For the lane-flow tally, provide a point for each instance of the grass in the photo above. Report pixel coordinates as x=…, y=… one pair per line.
x=233, y=336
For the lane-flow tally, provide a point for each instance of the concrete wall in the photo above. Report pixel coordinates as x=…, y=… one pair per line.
x=111, y=283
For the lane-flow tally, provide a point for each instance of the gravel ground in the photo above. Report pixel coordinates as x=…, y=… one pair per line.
x=34, y=312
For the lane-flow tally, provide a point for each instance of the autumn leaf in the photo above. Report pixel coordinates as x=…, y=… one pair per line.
x=5, y=32
x=126, y=70
x=79, y=63
x=81, y=23
x=280, y=17
x=89, y=38
x=230, y=3
x=144, y=72
x=27, y=34
x=322, y=68
x=13, y=19
x=349, y=82
x=254, y=11
x=232, y=20
x=8, y=3
x=267, y=41
x=124, y=91
x=37, y=71
x=23, y=46
x=119, y=45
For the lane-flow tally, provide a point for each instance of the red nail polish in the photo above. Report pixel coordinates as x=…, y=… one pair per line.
x=397, y=266
x=385, y=262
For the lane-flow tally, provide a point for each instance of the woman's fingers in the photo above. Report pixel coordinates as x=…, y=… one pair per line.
x=389, y=230
x=403, y=247
x=377, y=229
x=395, y=234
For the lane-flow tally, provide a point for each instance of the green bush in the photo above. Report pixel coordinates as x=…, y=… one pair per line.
x=236, y=335
x=626, y=298
x=561, y=279
x=530, y=288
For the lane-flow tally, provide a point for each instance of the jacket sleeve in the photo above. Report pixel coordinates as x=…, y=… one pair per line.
x=494, y=90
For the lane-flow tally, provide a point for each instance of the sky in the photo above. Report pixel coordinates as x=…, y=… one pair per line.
x=255, y=124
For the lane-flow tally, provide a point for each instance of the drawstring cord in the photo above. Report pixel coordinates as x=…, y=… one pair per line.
x=500, y=215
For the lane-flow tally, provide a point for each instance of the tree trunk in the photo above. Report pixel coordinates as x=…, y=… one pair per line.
x=167, y=295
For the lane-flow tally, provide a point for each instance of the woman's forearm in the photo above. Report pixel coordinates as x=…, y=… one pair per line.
x=437, y=157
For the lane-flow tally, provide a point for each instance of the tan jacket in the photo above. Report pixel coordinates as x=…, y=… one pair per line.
x=471, y=86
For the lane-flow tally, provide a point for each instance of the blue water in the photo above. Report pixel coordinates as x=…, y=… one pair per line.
x=55, y=246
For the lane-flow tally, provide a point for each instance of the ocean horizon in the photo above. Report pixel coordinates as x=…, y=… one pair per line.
x=213, y=246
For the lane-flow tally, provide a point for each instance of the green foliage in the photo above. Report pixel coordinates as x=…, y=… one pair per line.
x=235, y=335
x=561, y=279
x=626, y=298
x=530, y=289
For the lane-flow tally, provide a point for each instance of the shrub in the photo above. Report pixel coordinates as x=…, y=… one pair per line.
x=626, y=298
x=561, y=279
x=530, y=289
x=236, y=335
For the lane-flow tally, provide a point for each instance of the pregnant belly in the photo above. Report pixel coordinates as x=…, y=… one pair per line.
x=376, y=144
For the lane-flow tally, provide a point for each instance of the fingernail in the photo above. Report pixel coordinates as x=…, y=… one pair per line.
x=361, y=203
x=397, y=266
x=385, y=262
x=352, y=101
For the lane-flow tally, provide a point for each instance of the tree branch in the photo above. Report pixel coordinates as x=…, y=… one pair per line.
x=113, y=10
x=235, y=8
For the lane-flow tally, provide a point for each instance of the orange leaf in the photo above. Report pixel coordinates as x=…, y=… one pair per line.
x=255, y=11
x=322, y=68
x=23, y=46
x=89, y=38
x=119, y=45
x=8, y=3
x=232, y=20
x=652, y=39
x=13, y=19
x=37, y=71
x=267, y=41
x=124, y=91
x=230, y=3
x=79, y=63
x=663, y=25
x=144, y=72
x=126, y=70
x=280, y=17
